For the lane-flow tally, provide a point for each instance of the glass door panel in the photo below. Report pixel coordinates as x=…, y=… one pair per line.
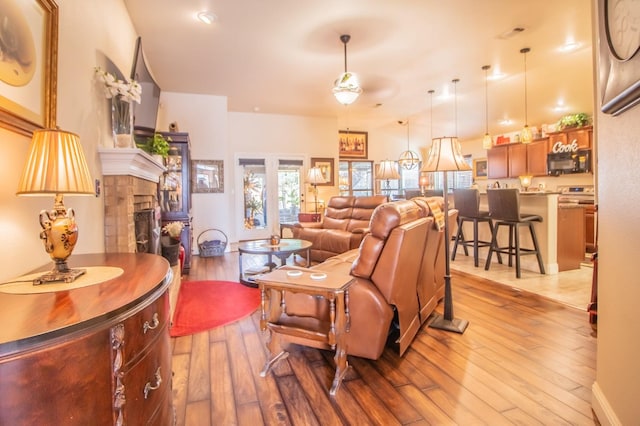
x=289, y=190
x=271, y=194
x=254, y=197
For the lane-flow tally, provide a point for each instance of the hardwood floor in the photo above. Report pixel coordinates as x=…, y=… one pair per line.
x=523, y=360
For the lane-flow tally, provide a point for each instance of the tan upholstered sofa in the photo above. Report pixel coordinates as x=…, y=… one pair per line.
x=399, y=279
x=345, y=223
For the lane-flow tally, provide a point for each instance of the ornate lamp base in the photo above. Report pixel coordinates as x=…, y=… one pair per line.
x=67, y=276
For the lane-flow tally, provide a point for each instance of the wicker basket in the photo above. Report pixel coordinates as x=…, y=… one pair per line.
x=212, y=242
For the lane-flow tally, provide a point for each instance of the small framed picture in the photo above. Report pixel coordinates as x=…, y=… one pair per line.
x=207, y=176
x=479, y=168
x=352, y=144
x=327, y=169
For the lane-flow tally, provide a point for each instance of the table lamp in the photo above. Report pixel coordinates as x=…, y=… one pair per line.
x=525, y=181
x=314, y=177
x=445, y=156
x=55, y=166
x=387, y=170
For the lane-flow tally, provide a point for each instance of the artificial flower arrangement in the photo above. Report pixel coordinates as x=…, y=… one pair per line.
x=122, y=94
x=174, y=229
x=128, y=90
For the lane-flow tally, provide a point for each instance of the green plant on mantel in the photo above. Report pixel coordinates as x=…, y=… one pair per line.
x=573, y=120
x=156, y=145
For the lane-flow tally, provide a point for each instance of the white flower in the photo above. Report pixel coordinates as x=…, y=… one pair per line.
x=174, y=229
x=128, y=91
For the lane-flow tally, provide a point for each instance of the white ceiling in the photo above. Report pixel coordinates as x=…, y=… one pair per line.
x=282, y=56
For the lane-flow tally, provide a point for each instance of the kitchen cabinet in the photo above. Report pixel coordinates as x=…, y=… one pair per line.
x=571, y=237
x=583, y=137
x=175, y=189
x=537, y=157
x=498, y=162
x=517, y=159
x=590, y=228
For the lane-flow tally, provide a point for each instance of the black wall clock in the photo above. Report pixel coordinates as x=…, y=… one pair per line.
x=619, y=35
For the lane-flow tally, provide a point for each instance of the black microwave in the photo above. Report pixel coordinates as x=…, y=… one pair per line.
x=578, y=161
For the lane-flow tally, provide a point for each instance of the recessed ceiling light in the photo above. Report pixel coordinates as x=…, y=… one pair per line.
x=506, y=122
x=496, y=74
x=206, y=17
x=569, y=46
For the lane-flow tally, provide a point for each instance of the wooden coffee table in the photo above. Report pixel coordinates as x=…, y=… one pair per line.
x=282, y=251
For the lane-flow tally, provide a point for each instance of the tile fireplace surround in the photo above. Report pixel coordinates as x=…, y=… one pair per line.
x=130, y=184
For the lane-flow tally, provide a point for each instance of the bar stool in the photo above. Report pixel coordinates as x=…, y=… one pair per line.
x=504, y=209
x=467, y=202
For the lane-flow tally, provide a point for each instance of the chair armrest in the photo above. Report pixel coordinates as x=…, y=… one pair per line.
x=308, y=225
x=360, y=230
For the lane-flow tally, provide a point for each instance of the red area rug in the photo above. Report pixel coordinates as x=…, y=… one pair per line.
x=203, y=305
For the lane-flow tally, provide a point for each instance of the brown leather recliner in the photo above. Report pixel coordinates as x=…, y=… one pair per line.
x=345, y=223
x=386, y=268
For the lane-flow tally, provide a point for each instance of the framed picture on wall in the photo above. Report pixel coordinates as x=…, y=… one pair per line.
x=479, y=168
x=28, y=73
x=352, y=144
x=326, y=168
x=207, y=176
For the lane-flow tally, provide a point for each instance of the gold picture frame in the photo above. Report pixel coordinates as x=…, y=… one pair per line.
x=207, y=176
x=28, y=86
x=353, y=144
x=327, y=169
x=480, y=166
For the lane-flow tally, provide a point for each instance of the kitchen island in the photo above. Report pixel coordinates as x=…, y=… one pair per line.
x=544, y=204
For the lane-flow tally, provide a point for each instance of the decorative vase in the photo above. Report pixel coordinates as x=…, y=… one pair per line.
x=170, y=249
x=122, y=122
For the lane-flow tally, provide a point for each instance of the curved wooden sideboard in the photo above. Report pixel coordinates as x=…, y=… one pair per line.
x=96, y=355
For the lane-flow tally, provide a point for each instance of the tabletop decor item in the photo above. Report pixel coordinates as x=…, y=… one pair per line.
x=174, y=229
x=122, y=94
x=56, y=166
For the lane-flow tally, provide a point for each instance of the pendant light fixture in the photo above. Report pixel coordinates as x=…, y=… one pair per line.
x=346, y=88
x=526, y=136
x=487, y=141
x=409, y=160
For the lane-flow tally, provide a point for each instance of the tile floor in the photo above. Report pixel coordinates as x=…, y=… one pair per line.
x=569, y=287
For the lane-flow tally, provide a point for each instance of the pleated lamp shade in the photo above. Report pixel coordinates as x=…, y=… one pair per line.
x=56, y=165
x=445, y=155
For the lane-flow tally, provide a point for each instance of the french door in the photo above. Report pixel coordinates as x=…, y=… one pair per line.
x=271, y=193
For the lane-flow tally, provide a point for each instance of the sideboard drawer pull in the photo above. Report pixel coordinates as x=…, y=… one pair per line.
x=146, y=326
x=149, y=387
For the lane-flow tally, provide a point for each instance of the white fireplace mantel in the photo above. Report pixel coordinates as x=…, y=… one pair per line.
x=130, y=162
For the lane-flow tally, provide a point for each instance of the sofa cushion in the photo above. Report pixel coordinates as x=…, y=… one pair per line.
x=345, y=222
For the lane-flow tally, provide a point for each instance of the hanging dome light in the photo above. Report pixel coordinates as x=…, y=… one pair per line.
x=526, y=136
x=408, y=160
x=346, y=88
x=487, y=141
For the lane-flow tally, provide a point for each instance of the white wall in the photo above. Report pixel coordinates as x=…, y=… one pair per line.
x=617, y=386
x=89, y=31
x=216, y=134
